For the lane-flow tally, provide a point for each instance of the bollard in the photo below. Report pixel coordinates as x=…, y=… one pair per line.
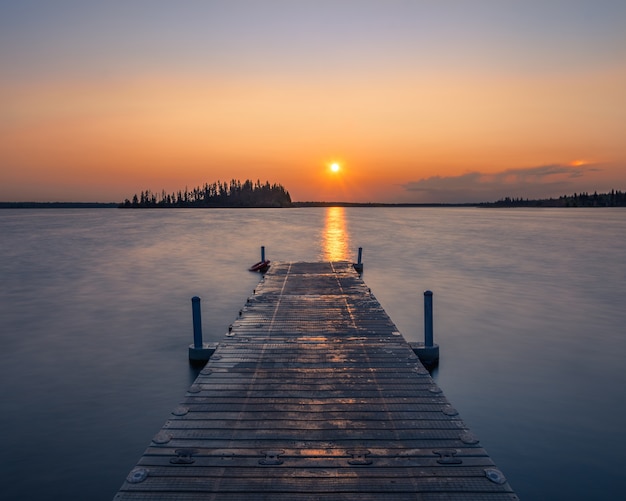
x=359, y=264
x=428, y=318
x=428, y=351
x=199, y=351
x=197, y=322
x=263, y=253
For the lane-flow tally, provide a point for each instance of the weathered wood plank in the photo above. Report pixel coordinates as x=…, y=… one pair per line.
x=314, y=394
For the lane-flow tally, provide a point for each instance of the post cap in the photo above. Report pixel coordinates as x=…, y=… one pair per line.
x=428, y=293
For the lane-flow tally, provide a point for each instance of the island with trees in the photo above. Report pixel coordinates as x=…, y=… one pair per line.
x=218, y=194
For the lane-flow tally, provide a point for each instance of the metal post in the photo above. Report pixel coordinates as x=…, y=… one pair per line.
x=197, y=322
x=263, y=253
x=358, y=266
x=428, y=319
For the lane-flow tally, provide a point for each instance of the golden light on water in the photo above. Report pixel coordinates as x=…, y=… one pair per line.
x=336, y=241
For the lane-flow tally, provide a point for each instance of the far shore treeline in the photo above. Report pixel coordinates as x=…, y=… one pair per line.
x=218, y=194
x=249, y=194
x=612, y=199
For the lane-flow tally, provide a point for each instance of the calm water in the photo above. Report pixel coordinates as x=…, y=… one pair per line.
x=95, y=320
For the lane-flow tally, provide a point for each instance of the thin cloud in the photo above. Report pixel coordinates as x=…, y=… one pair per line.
x=534, y=182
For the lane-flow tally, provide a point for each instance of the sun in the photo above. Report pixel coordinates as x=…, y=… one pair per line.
x=335, y=167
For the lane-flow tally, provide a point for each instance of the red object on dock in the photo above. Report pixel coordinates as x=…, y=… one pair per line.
x=260, y=266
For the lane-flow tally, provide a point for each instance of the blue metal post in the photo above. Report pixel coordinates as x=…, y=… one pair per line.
x=428, y=318
x=263, y=253
x=358, y=266
x=197, y=322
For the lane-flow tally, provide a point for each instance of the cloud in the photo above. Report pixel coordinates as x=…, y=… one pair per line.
x=534, y=182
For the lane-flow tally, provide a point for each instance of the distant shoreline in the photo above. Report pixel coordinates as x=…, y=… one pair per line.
x=59, y=205
x=295, y=205
x=612, y=199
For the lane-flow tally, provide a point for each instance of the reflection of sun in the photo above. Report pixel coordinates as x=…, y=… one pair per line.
x=334, y=167
x=336, y=240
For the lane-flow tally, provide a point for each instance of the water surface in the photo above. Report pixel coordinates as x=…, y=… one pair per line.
x=95, y=320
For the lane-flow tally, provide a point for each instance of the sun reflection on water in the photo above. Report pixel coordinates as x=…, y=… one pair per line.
x=335, y=238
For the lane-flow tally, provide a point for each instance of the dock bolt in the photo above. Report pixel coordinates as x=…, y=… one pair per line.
x=137, y=475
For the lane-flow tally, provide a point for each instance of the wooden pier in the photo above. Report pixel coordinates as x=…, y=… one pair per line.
x=314, y=395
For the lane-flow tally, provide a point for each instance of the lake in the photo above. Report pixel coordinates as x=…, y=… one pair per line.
x=95, y=321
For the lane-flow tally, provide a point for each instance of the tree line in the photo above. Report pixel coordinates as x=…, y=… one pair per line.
x=611, y=199
x=217, y=194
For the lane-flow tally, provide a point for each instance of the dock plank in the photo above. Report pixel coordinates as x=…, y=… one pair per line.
x=314, y=394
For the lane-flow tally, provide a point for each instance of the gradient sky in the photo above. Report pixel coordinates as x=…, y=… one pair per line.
x=419, y=101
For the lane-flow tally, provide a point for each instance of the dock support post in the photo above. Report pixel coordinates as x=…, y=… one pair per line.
x=428, y=318
x=197, y=322
x=359, y=264
x=428, y=351
x=263, y=253
x=199, y=351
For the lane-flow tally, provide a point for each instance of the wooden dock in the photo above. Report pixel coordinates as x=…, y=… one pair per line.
x=314, y=395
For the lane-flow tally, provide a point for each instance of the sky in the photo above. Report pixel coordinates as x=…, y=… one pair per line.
x=417, y=101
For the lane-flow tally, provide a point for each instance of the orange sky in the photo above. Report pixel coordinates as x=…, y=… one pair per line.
x=407, y=125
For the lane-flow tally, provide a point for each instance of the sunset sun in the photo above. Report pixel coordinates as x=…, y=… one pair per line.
x=335, y=167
